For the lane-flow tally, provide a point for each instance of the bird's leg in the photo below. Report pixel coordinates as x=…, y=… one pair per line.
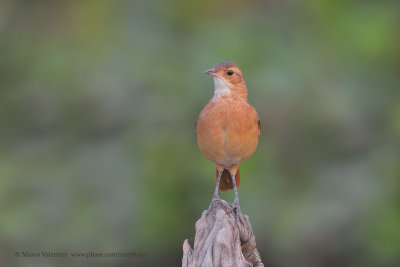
x=215, y=197
x=235, y=204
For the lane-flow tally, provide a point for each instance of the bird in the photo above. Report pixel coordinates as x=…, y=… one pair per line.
x=227, y=129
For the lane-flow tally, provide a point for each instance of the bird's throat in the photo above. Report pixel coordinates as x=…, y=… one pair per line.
x=222, y=87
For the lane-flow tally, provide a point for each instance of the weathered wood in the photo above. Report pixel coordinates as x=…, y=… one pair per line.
x=219, y=242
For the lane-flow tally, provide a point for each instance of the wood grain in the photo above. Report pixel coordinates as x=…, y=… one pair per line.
x=219, y=242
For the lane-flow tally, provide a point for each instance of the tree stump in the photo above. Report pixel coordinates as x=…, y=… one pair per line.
x=219, y=242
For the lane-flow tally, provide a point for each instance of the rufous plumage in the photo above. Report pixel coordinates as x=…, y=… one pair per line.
x=228, y=128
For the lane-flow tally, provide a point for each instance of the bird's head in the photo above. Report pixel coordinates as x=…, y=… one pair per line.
x=228, y=78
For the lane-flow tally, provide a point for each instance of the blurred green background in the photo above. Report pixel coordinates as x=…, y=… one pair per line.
x=98, y=152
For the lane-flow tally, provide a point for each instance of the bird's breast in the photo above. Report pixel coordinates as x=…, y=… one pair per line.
x=227, y=131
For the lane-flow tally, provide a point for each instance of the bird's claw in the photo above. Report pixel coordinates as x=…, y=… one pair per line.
x=213, y=204
x=236, y=207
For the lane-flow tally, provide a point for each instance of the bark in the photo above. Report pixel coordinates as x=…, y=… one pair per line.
x=219, y=242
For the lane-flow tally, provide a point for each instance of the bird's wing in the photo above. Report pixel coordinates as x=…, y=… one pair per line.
x=258, y=121
x=255, y=114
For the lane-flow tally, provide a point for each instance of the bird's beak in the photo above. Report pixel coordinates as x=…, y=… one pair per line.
x=211, y=72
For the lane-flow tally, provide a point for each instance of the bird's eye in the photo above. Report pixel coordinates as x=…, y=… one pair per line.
x=230, y=72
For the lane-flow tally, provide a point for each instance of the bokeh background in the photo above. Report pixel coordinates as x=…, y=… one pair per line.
x=98, y=152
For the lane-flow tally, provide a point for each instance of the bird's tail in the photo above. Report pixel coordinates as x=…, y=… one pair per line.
x=226, y=180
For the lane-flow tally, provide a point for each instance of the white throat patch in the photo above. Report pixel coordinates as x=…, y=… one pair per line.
x=222, y=87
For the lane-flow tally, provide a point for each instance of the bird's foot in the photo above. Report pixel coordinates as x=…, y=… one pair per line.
x=214, y=200
x=236, y=207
